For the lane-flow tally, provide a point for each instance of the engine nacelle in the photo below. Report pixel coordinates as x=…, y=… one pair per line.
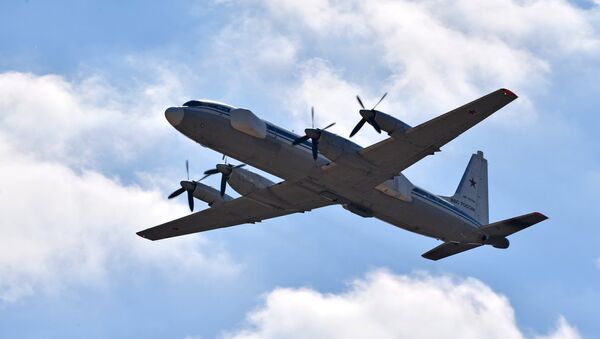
x=390, y=124
x=245, y=182
x=398, y=187
x=245, y=121
x=209, y=194
x=337, y=148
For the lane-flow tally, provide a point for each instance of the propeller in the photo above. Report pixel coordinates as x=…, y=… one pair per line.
x=312, y=133
x=225, y=170
x=368, y=115
x=186, y=185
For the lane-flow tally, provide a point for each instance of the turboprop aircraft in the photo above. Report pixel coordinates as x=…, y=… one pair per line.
x=322, y=169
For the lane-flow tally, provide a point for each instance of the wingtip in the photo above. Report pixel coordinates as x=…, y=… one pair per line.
x=509, y=93
x=540, y=216
x=142, y=234
x=424, y=255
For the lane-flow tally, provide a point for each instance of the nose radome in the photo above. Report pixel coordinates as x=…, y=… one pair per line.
x=174, y=115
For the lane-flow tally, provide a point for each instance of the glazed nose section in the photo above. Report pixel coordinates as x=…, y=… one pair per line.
x=174, y=115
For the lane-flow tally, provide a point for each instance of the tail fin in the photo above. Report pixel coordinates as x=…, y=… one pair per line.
x=472, y=192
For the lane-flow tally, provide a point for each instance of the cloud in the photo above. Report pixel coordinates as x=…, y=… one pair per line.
x=431, y=56
x=65, y=224
x=332, y=97
x=384, y=305
x=562, y=330
x=268, y=49
x=82, y=121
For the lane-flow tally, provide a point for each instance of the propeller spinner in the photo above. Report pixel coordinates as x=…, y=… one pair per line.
x=225, y=170
x=368, y=115
x=314, y=134
x=186, y=186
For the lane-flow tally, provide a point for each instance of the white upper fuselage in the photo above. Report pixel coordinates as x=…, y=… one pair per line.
x=208, y=123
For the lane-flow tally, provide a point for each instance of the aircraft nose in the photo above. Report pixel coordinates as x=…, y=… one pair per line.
x=174, y=115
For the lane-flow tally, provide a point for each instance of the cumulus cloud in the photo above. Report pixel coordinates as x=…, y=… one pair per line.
x=384, y=305
x=562, y=330
x=82, y=121
x=65, y=225
x=332, y=96
x=430, y=55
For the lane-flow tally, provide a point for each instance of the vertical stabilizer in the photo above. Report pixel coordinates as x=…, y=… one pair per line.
x=472, y=192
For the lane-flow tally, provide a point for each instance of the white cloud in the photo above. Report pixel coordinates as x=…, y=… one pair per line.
x=82, y=121
x=333, y=98
x=562, y=330
x=385, y=305
x=430, y=55
x=63, y=227
x=250, y=47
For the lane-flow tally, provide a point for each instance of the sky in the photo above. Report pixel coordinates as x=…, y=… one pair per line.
x=87, y=159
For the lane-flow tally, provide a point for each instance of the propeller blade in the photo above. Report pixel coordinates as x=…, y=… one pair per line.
x=300, y=140
x=187, y=169
x=191, y=201
x=240, y=165
x=211, y=172
x=176, y=193
x=375, y=125
x=384, y=95
x=223, y=184
x=358, y=127
x=312, y=116
x=360, y=102
x=333, y=123
x=315, y=148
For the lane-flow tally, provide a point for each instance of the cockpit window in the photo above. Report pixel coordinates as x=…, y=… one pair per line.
x=196, y=103
x=192, y=103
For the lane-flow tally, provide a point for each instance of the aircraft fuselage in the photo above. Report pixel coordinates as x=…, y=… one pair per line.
x=425, y=213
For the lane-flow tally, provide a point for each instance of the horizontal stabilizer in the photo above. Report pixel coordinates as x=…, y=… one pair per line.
x=509, y=226
x=447, y=249
x=500, y=229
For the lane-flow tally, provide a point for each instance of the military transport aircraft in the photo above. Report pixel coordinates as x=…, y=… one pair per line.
x=321, y=169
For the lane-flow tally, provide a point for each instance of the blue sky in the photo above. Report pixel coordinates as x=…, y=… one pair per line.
x=87, y=159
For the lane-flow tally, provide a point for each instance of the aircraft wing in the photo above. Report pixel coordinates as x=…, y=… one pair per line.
x=395, y=154
x=278, y=200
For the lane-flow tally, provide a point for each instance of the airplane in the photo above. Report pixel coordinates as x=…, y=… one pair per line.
x=322, y=169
